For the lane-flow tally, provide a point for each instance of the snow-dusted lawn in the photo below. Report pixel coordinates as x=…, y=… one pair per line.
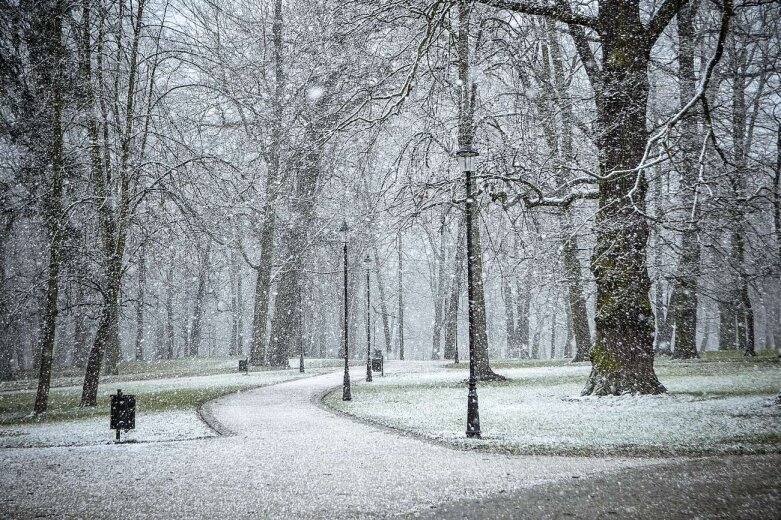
x=711, y=407
x=166, y=408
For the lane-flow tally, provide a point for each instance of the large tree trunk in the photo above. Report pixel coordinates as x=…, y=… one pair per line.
x=482, y=364
x=745, y=321
x=263, y=281
x=466, y=115
x=285, y=336
x=623, y=356
x=684, y=295
x=52, y=33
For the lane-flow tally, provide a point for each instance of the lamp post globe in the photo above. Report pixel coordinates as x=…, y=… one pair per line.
x=466, y=155
x=346, y=390
x=367, y=263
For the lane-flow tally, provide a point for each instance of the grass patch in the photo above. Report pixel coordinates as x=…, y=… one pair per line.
x=715, y=405
x=158, y=386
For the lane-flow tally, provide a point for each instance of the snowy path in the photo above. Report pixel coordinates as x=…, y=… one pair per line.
x=287, y=458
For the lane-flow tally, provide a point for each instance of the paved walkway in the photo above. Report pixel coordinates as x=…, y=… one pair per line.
x=287, y=457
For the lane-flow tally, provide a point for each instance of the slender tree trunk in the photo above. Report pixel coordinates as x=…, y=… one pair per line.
x=451, y=315
x=200, y=296
x=52, y=26
x=234, y=277
x=570, y=331
x=522, y=319
x=400, y=274
x=170, y=335
x=576, y=301
x=685, y=294
x=566, y=150
x=440, y=290
x=80, y=332
x=6, y=339
x=509, y=316
x=386, y=329
x=777, y=220
x=553, y=323
x=140, y=304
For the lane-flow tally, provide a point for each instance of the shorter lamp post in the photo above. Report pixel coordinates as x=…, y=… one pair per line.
x=346, y=391
x=301, y=358
x=367, y=262
x=466, y=155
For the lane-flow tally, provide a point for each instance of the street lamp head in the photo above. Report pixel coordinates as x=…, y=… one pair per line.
x=466, y=155
x=367, y=262
x=343, y=230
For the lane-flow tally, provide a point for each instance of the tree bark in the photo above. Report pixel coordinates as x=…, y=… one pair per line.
x=623, y=356
x=170, y=335
x=194, y=343
x=51, y=28
x=263, y=282
x=80, y=331
x=509, y=316
x=440, y=290
x=466, y=112
x=140, y=304
x=685, y=293
x=451, y=314
x=6, y=339
x=400, y=274
x=522, y=319
x=386, y=329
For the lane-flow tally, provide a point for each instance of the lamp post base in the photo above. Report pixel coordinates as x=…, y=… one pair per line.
x=347, y=394
x=472, y=412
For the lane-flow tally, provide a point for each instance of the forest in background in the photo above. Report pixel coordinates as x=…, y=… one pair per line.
x=174, y=173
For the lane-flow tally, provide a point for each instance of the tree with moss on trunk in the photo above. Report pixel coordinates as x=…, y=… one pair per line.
x=622, y=357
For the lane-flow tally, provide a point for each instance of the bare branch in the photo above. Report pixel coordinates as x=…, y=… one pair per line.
x=560, y=11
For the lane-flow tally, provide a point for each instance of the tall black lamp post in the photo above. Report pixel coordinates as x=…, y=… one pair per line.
x=367, y=263
x=346, y=392
x=466, y=155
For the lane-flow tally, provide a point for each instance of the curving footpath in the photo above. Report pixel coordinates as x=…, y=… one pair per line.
x=286, y=457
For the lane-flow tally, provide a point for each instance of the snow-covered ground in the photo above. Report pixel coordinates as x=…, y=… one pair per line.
x=288, y=458
x=710, y=408
x=166, y=410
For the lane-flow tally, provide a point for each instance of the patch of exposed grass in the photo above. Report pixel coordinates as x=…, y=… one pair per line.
x=153, y=393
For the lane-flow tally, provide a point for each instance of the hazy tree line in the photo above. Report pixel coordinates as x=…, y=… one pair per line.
x=173, y=174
